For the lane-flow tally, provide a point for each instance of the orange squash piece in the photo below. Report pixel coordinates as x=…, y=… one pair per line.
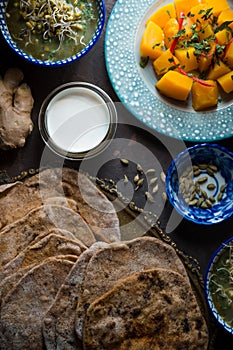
x=187, y=58
x=197, y=13
x=223, y=37
x=175, y=85
x=165, y=61
x=152, y=42
x=226, y=15
x=228, y=58
x=163, y=14
x=218, y=70
x=218, y=6
x=204, y=96
x=171, y=28
x=184, y=6
x=226, y=82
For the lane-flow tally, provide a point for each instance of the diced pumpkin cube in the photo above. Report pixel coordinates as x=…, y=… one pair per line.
x=218, y=6
x=152, y=42
x=204, y=96
x=199, y=13
x=206, y=31
x=187, y=26
x=226, y=82
x=163, y=14
x=175, y=85
x=171, y=28
x=218, y=70
x=184, y=6
x=204, y=61
x=223, y=37
x=165, y=61
x=187, y=58
x=225, y=16
x=228, y=58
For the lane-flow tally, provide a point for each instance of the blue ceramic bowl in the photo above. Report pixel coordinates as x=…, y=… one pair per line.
x=203, y=202
x=218, y=295
x=78, y=55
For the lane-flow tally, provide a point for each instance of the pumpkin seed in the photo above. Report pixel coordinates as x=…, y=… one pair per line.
x=193, y=202
x=204, y=205
x=211, y=186
x=200, y=201
x=163, y=176
x=223, y=187
x=153, y=180
x=209, y=203
x=124, y=161
x=150, y=171
x=202, y=166
x=126, y=180
x=210, y=172
x=139, y=168
x=136, y=179
x=220, y=195
x=155, y=189
x=212, y=199
x=140, y=182
x=213, y=167
x=164, y=196
x=149, y=197
x=197, y=173
x=202, y=179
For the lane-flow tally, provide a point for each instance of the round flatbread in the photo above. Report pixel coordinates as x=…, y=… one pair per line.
x=37, y=223
x=153, y=309
x=117, y=261
x=24, y=308
x=51, y=245
x=76, y=191
x=59, y=321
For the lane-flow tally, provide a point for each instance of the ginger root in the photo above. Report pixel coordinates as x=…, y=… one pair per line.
x=16, y=103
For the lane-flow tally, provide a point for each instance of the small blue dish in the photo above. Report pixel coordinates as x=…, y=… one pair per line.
x=29, y=58
x=199, y=183
x=218, y=287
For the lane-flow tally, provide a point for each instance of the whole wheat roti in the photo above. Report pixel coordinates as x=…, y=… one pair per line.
x=153, y=309
x=24, y=308
x=114, y=262
x=8, y=283
x=66, y=183
x=37, y=223
x=51, y=245
x=58, y=324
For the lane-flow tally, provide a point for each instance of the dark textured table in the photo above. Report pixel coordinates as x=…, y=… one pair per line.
x=198, y=241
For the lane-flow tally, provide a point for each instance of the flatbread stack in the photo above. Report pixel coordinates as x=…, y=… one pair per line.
x=68, y=281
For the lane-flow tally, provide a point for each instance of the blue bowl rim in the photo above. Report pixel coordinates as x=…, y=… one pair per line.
x=28, y=58
x=173, y=164
x=207, y=294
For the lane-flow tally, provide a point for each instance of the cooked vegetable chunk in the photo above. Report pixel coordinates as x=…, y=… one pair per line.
x=187, y=58
x=152, y=42
x=228, y=58
x=217, y=5
x=162, y=15
x=204, y=96
x=175, y=85
x=218, y=70
x=165, y=61
x=184, y=6
x=226, y=82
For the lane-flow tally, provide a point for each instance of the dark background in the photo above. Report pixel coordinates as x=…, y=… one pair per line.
x=199, y=241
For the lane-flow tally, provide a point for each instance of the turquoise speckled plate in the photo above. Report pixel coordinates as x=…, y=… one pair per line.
x=135, y=86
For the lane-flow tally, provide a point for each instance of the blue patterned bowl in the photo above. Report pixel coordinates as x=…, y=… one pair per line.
x=78, y=55
x=218, y=285
x=199, y=183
